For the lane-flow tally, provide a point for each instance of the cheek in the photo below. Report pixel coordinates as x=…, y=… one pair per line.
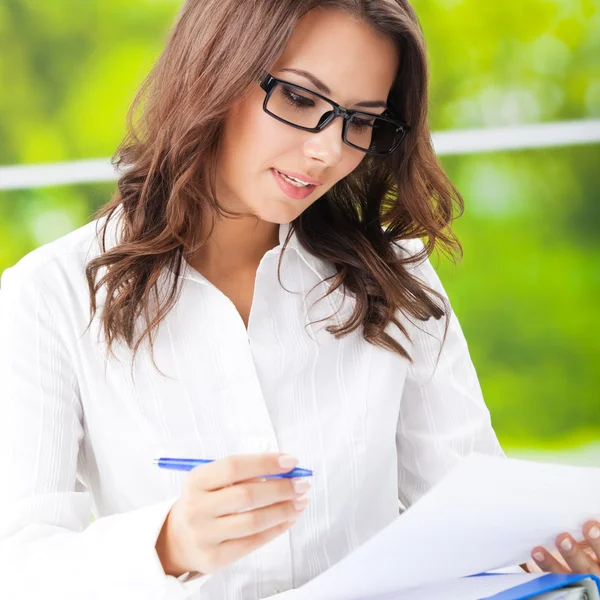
x=263, y=139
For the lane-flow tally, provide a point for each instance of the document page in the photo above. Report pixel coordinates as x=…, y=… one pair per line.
x=474, y=588
x=467, y=588
x=487, y=513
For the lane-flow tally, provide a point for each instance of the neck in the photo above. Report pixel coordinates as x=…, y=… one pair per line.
x=235, y=245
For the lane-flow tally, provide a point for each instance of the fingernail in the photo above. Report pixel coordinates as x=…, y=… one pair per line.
x=300, y=502
x=301, y=485
x=566, y=544
x=594, y=532
x=539, y=556
x=287, y=462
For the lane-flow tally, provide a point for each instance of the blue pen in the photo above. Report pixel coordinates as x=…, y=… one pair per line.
x=187, y=464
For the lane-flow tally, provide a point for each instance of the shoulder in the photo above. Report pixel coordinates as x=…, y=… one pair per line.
x=58, y=266
x=410, y=247
x=414, y=249
x=420, y=266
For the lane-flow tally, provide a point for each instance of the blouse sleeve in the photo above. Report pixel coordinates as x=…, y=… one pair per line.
x=443, y=416
x=48, y=548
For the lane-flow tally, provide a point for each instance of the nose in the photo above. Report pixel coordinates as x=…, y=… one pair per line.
x=326, y=145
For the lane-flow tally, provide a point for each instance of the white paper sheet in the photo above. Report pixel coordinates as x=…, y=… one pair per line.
x=472, y=588
x=478, y=588
x=487, y=513
x=468, y=588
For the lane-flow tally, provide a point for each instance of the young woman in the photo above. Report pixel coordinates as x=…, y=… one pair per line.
x=256, y=292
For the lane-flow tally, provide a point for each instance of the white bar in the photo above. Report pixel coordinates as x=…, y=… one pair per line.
x=467, y=141
x=539, y=135
x=64, y=173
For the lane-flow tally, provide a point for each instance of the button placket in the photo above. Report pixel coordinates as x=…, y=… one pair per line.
x=262, y=436
x=277, y=566
x=258, y=431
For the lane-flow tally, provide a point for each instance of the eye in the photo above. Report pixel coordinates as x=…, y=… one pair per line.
x=362, y=124
x=297, y=100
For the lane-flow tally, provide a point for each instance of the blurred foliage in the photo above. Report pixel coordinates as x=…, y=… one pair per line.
x=527, y=290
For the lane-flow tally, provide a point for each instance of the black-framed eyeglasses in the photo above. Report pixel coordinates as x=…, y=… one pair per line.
x=304, y=109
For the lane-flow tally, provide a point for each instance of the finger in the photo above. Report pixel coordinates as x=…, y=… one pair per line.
x=591, y=530
x=546, y=561
x=232, y=550
x=576, y=558
x=533, y=567
x=241, y=467
x=249, y=495
x=249, y=523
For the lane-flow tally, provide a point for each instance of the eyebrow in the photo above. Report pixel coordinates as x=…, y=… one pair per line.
x=323, y=88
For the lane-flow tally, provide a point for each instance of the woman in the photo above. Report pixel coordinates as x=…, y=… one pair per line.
x=255, y=292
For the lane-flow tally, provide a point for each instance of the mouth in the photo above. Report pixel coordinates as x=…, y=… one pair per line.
x=292, y=188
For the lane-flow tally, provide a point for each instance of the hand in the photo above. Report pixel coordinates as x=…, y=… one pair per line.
x=572, y=556
x=206, y=530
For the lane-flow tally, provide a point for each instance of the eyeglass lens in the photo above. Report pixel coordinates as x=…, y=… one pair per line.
x=307, y=110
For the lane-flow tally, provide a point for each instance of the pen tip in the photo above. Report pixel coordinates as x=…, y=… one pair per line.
x=155, y=461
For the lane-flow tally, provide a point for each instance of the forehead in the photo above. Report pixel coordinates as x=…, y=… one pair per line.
x=349, y=56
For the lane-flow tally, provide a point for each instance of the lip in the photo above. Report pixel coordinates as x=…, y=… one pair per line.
x=301, y=177
x=291, y=190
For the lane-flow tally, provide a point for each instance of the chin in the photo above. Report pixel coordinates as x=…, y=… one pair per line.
x=279, y=212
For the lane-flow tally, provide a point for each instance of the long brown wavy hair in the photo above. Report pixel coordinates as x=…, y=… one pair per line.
x=215, y=50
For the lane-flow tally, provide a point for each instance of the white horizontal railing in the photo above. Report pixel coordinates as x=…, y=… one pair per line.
x=467, y=141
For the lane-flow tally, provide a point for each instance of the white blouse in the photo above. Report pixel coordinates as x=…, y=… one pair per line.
x=77, y=436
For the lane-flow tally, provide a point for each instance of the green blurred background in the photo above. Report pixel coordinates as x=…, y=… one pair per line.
x=527, y=291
